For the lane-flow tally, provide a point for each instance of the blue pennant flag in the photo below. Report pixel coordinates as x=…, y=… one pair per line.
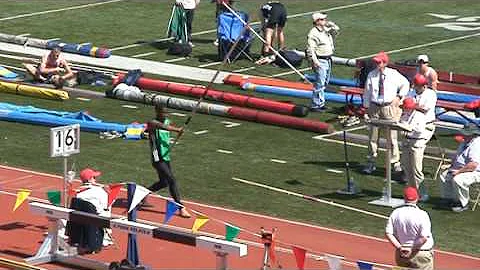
x=364, y=265
x=172, y=208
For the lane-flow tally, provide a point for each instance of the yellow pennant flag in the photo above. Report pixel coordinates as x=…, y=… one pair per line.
x=199, y=222
x=22, y=195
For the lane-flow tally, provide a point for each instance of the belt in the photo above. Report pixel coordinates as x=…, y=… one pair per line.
x=327, y=57
x=382, y=104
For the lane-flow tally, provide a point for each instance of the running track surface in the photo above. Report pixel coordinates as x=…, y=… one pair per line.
x=22, y=234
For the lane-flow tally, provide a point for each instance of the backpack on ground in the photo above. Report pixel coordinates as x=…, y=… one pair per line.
x=180, y=49
x=291, y=56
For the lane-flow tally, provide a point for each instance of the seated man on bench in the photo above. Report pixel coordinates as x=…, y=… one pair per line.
x=53, y=69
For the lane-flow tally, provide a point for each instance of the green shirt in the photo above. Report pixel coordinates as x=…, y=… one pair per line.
x=160, y=143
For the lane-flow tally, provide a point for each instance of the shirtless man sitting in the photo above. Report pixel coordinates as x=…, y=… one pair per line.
x=53, y=69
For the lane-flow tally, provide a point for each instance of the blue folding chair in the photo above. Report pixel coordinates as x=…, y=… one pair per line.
x=229, y=29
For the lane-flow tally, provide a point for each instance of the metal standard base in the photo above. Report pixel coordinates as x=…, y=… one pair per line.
x=390, y=202
x=351, y=189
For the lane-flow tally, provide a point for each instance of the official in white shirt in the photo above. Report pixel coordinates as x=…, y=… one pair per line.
x=409, y=231
x=419, y=113
x=384, y=90
x=464, y=171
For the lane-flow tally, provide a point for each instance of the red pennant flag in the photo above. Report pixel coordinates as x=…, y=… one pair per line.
x=114, y=189
x=299, y=256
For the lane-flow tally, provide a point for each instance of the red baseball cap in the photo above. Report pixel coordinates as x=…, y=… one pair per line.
x=409, y=103
x=410, y=194
x=419, y=79
x=87, y=174
x=380, y=57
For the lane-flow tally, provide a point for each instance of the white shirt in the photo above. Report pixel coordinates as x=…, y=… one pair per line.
x=408, y=223
x=467, y=152
x=188, y=4
x=320, y=41
x=394, y=84
x=97, y=196
x=417, y=119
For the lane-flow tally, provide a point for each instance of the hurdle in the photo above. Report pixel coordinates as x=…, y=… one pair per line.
x=53, y=249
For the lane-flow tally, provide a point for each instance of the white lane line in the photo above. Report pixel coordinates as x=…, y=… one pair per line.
x=16, y=179
x=143, y=54
x=178, y=114
x=252, y=23
x=129, y=106
x=83, y=99
x=393, y=51
x=242, y=213
x=58, y=10
x=381, y=149
x=201, y=132
x=224, y=151
x=210, y=64
x=334, y=171
x=244, y=69
x=175, y=60
x=229, y=124
x=278, y=161
x=338, y=132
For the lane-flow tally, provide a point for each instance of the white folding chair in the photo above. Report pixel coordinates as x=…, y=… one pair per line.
x=476, y=187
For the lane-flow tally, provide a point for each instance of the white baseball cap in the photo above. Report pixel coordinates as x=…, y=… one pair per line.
x=318, y=16
x=422, y=57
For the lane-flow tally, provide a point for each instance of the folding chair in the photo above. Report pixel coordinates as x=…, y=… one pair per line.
x=229, y=29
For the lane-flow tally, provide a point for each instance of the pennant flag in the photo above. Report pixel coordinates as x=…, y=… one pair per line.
x=54, y=197
x=231, y=232
x=114, y=190
x=364, y=265
x=172, y=208
x=22, y=195
x=138, y=196
x=334, y=262
x=199, y=222
x=299, y=256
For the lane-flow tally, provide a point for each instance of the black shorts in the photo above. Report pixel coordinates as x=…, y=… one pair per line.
x=274, y=14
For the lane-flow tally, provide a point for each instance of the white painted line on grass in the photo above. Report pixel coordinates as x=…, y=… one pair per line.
x=57, y=10
x=338, y=132
x=210, y=64
x=244, y=69
x=278, y=161
x=143, y=54
x=242, y=213
x=224, y=151
x=392, y=51
x=252, y=23
x=201, y=132
x=334, y=171
x=24, y=35
x=53, y=39
x=229, y=124
x=178, y=114
x=175, y=60
x=129, y=106
x=380, y=149
x=83, y=99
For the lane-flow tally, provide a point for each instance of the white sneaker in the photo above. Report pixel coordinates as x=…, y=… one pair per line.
x=397, y=167
x=216, y=42
x=191, y=44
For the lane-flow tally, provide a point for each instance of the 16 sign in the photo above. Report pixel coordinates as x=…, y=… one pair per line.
x=64, y=140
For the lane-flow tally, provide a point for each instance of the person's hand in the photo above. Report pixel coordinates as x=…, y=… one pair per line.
x=181, y=131
x=405, y=252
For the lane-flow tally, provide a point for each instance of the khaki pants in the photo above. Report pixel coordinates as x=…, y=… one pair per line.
x=419, y=260
x=457, y=187
x=412, y=157
x=383, y=112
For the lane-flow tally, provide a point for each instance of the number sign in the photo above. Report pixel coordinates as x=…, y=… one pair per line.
x=65, y=140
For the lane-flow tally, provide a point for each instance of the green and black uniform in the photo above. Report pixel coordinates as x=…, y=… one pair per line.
x=160, y=154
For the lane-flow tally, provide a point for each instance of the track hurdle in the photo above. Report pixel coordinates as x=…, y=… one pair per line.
x=53, y=250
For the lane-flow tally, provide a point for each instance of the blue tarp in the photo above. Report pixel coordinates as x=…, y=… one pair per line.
x=38, y=116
